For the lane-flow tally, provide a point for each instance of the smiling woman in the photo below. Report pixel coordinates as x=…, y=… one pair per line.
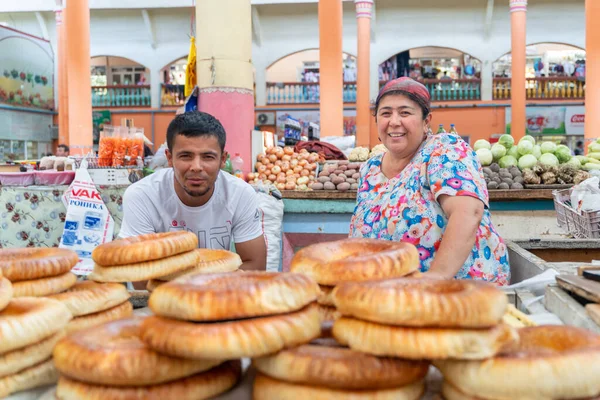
x=427, y=190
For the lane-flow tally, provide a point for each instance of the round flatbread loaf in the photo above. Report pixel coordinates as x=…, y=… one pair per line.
x=6, y=292
x=210, y=262
x=228, y=340
x=36, y=262
x=88, y=297
x=142, y=248
x=205, y=385
x=39, y=375
x=113, y=354
x=217, y=297
x=123, y=310
x=18, y=360
x=28, y=320
x=44, y=286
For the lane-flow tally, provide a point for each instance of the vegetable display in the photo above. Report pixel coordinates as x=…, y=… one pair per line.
x=342, y=176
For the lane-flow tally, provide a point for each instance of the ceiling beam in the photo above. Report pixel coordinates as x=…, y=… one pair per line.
x=149, y=28
x=43, y=26
x=489, y=17
x=256, y=29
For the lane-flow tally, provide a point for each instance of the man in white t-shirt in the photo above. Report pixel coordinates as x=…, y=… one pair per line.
x=194, y=194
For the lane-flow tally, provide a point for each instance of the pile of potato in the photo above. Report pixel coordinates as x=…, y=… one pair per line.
x=342, y=176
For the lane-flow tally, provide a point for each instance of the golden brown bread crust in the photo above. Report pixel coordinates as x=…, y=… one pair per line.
x=148, y=247
x=210, y=262
x=423, y=302
x=325, y=297
x=548, y=362
x=6, y=292
x=25, y=357
x=328, y=314
x=144, y=270
x=88, y=297
x=253, y=337
x=422, y=343
x=340, y=368
x=355, y=259
x=44, y=286
x=152, y=284
x=205, y=385
x=39, y=375
x=27, y=320
x=123, y=310
x=36, y=262
x=113, y=354
x=266, y=388
x=216, y=297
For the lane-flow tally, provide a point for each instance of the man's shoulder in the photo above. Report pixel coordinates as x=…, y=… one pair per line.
x=150, y=186
x=235, y=186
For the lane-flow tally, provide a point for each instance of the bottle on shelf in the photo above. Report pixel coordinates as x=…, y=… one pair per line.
x=237, y=165
x=441, y=129
x=453, y=129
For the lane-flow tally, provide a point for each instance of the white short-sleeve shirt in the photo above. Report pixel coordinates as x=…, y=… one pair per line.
x=231, y=215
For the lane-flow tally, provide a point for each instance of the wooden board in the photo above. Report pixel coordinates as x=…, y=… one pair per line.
x=549, y=187
x=587, y=268
x=510, y=194
x=585, y=288
x=593, y=310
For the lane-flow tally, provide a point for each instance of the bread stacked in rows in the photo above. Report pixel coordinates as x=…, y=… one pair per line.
x=351, y=260
x=36, y=272
x=29, y=329
x=110, y=361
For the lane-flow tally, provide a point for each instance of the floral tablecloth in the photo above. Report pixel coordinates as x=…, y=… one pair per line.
x=34, y=216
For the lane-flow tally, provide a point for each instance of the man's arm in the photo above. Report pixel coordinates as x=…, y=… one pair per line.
x=253, y=254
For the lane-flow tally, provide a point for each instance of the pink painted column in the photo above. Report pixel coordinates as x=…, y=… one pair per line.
x=592, y=71
x=224, y=70
x=61, y=79
x=364, y=10
x=518, y=24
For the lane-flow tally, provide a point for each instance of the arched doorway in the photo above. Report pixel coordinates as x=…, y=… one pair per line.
x=295, y=77
x=449, y=74
x=119, y=82
x=173, y=83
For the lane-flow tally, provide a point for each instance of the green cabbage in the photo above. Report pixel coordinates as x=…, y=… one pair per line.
x=527, y=161
x=525, y=147
x=498, y=151
x=485, y=156
x=482, y=144
x=594, y=147
x=507, y=162
x=548, y=147
x=537, y=151
x=549, y=159
x=582, y=159
x=528, y=138
x=563, y=153
x=574, y=161
x=513, y=151
x=507, y=141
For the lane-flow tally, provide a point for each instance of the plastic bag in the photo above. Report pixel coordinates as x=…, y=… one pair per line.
x=88, y=222
x=159, y=160
x=586, y=195
x=271, y=206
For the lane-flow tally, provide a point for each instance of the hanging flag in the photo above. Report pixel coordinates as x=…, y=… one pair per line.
x=190, y=69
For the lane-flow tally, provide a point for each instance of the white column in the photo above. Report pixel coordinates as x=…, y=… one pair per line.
x=155, y=81
x=374, y=79
x=260, y=81
x=487, y=80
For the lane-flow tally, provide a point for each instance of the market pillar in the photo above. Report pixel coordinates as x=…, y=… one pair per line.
x=592, y=71
x=487, y=81
x=364, y=10
x=518, y=23
x=61, y=84
x=331, y=68
x=224, y=70
x=79, y=96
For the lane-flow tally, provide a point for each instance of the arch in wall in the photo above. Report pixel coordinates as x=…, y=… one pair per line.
x=115, y=70
x=285, y=68
x=536, y=51
x=429, y=54
x=558, y=43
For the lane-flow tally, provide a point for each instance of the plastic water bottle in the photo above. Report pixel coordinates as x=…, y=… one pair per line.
x=440, y=129
x=237, y=165
x=453, y=129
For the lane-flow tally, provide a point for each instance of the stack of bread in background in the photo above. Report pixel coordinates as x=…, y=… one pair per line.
x=351, y=260
x=110, y=361
x=29, y=329
x=36, y=272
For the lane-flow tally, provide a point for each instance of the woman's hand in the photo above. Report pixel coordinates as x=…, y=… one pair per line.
x=464, y=215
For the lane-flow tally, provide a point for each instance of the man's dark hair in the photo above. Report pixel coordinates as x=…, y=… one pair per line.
x=64, y=147
x=195, y=124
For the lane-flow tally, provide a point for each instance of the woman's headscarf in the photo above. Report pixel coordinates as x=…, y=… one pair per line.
x=407, y=85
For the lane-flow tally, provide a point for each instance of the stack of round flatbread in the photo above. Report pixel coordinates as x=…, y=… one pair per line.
x=29, y=329
x=110, y=361
x=144, y=257
x=422, y=319
x=93, y=303
x=37, y=272
x=352, y=260
x=230, y=316
x=209, y=262
x=318, y=372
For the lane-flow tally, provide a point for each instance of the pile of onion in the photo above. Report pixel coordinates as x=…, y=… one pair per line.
x=285, y=168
